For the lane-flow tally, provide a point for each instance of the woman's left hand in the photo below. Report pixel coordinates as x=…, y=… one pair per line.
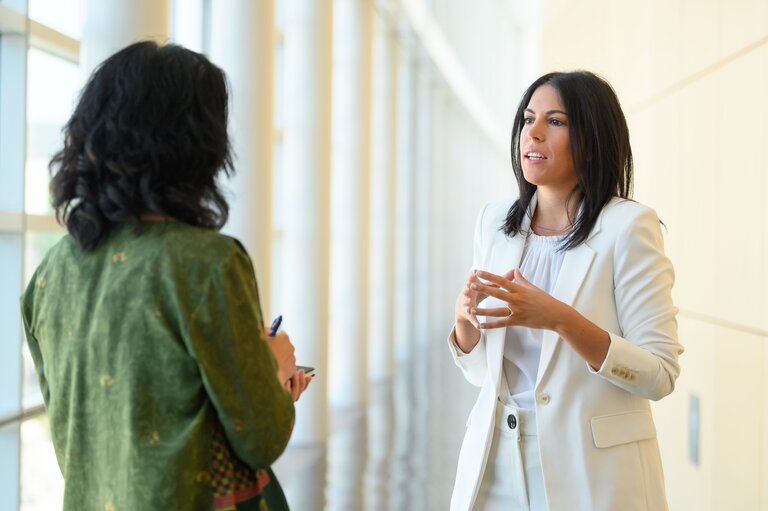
x=529, y=306
x=298, y=383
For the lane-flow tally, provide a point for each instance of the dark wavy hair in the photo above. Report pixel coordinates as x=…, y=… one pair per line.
x=148, y=135
x=599, y=141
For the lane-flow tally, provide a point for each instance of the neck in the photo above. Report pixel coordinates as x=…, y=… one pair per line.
x=555, y=211
x=155, y=217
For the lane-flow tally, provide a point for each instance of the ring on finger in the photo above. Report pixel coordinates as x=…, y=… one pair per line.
x=511, y=313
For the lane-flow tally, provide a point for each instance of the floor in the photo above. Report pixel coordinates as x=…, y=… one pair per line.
x=397, y=453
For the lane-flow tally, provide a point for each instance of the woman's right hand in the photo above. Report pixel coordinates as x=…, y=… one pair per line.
x=467, y=300
x=285, y=354
x=467, y=324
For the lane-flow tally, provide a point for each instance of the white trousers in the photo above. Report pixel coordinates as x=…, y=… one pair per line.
x=513, y=480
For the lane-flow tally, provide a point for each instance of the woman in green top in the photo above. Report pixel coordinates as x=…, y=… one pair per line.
x=144, y=322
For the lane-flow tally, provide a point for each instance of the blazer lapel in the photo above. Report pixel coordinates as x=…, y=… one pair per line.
x=506, y=253
x=576, y=264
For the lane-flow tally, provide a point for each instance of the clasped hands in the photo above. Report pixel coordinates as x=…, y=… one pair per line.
x=525, y=304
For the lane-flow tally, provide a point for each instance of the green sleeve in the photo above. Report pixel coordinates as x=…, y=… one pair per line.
x=225, y=335
x=34, y=347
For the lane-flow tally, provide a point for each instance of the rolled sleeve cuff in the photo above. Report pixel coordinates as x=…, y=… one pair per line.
x=617, y=365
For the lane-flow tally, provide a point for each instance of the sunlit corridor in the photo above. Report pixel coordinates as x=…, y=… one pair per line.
x=368, y=135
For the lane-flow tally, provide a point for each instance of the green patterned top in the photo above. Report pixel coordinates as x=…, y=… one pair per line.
x=144, y=348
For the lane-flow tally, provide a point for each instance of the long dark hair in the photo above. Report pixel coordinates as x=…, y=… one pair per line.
x=148, y=135
x=599, y=141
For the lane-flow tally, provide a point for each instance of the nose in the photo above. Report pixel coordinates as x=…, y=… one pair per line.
x=536, y=131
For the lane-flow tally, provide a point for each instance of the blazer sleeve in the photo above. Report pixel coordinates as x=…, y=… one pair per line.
x=226, y=336
x=474, y=364
x=643, y=357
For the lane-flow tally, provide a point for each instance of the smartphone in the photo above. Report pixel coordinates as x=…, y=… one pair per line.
x=309, y=371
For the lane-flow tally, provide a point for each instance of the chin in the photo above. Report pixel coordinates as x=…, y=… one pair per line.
x=533, y=178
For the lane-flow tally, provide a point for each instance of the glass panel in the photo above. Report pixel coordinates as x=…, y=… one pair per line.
x=187, y=23
x=42, y=486
x=48, y=109
x=280, y=8
x=66, y=16
x=277, y=230
x=275, y=301
x=9, y=467
x=279, y=82
x=36, y=246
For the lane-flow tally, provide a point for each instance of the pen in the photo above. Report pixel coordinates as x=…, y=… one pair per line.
x=275, y=326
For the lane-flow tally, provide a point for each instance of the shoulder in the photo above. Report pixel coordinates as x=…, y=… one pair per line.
x=191, y=243
x=490, y=220
x=494, y=213
x=623, y=214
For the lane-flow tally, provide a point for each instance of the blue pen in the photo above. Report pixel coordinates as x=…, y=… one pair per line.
x=275, y=326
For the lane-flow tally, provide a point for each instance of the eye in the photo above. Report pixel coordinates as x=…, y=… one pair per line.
x=556, y=122
x=528, y=120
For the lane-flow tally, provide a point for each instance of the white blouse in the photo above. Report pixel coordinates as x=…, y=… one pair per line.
x=540, y=266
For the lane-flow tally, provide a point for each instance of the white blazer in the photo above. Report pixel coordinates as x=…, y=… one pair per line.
x=595, y=430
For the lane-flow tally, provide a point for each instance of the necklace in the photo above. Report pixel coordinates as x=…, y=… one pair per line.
x=539, y=228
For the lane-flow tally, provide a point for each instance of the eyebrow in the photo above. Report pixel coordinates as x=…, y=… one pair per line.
x=548, y=112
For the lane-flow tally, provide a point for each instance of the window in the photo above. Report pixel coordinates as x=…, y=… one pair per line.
x=38, y=48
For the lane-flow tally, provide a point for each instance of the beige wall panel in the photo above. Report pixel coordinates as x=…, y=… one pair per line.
x=737, y=422
x=741, y=23
x=685, y=188
x=668, y=162
x=574, y=36
x=725, y=369
x=764, y=239
x=686, y=481
x=700, y=161
x=657, y=158
x=740, y=233
x=764, y=449
x=695, y=39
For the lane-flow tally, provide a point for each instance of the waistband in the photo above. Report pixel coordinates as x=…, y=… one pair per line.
x=518, y=421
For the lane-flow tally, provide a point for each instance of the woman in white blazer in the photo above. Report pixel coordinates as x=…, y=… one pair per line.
x=576, y=331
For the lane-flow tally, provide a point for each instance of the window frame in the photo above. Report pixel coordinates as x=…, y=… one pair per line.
x=18, y=34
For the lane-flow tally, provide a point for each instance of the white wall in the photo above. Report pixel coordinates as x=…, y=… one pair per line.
x=692, y=78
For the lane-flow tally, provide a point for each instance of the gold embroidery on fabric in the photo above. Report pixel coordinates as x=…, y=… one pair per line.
x=239, y=426
x=109, y=506
x=41, y=282
x=156, y=312
x=203, y=477
x=106, y=380
x=120, y=257
x=154, y=438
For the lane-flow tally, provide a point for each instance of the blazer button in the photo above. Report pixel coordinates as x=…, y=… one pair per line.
x=511, y=421
x=544, y=399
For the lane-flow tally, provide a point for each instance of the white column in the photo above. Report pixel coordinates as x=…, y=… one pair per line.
x=404, y=404
x=422, y=185
x=404, y=207
x=347, y=375
x=381, y=270
x=243, y=44
x=424, y=364
x=307, y=145
x=188, y=23
x=112, y=24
